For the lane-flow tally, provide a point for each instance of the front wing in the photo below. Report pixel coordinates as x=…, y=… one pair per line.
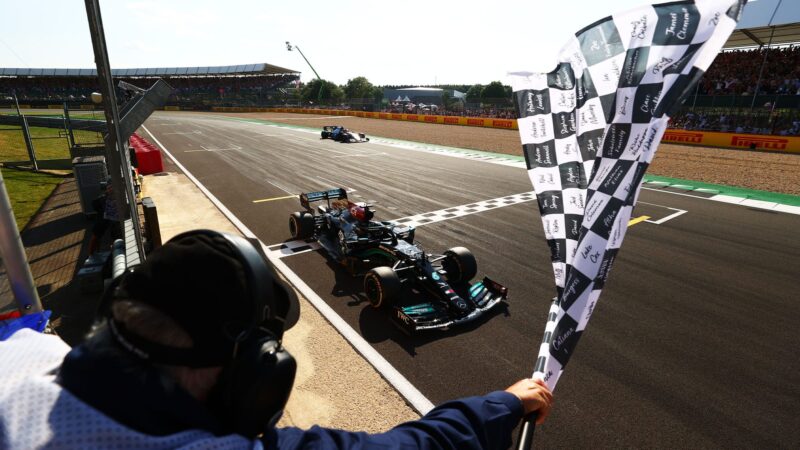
x=485, y=294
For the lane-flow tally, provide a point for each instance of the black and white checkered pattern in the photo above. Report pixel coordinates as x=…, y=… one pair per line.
x=290, y=248
x=465, y=210
x=589, y=130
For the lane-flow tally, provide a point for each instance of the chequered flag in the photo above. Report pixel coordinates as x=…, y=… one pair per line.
x=589, y=130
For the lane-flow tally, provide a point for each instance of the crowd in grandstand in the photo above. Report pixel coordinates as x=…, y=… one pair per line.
x=737, y=72
x=733, y=73
x=493, y=112
x=782, y=123
x=186, y=89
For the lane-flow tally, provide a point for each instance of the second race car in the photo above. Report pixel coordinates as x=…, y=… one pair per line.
x=342, y=134
x=387, y=256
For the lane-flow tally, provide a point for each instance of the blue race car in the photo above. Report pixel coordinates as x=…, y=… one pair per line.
x=341, y=134
x=387, y=256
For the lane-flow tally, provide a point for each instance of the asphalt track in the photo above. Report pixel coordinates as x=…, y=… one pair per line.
x=694, y=343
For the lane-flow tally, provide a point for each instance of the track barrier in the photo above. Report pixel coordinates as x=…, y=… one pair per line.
x=148, y=156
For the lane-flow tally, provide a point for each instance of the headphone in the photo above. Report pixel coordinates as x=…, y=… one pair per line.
x=257, y=379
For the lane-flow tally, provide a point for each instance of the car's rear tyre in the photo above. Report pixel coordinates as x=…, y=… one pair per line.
x=381, y=286
x=460, y=265
x=325, y=135
x=301, y=225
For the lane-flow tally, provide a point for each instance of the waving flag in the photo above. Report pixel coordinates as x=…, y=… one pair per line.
x=589, y=130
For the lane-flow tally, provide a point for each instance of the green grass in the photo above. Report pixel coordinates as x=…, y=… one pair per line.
x=48, y=143
x=27, y=191
x=84, y=115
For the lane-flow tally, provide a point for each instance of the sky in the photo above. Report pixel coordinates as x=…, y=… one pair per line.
x=409, y=42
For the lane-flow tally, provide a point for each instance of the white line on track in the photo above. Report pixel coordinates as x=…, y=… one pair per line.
x=183, y=132
x=335, y=151
x=281, y=187
x=721, y=198
x=204, y=149
x=332, y=183
x=310, y=118
x=392, y=375
x=349, y=155
x=678, y=212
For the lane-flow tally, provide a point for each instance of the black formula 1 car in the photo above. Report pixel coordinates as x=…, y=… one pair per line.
x=341, y=134
x=387, y=256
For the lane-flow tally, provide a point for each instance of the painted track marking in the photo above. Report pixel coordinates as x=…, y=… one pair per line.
x=678, y=212
x=274, y=198
x=204, y=149
x=281, y=188
x=639, y=219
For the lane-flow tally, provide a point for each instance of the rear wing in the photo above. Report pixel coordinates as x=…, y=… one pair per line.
x=331, y=194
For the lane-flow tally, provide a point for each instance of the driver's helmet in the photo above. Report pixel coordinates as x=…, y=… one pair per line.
x=361, y=212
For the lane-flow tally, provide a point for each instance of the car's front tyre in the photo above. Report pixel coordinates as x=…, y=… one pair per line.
x=381, y=286
x=460, y=265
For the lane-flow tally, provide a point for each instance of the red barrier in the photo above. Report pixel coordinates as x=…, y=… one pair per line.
x=147, y=155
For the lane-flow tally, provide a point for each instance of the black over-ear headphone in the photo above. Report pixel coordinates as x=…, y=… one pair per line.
x=256, y=382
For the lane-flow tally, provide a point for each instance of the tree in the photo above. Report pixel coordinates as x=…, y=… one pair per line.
x=377, y=94
x=474, y=93
x=331, y=93
x=448, y=101
x=494, y=92
x=358, y=88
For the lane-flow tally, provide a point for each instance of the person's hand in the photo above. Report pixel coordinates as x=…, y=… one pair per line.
x=535, y=396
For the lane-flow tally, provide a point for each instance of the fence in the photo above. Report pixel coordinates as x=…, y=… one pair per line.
x=53, y=148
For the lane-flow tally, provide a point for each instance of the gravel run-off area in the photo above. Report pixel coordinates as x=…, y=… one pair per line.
x=774, y=172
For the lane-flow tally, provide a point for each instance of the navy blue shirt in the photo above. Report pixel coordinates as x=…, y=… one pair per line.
x=485, y=422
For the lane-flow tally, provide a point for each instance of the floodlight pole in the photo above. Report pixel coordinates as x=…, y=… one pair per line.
x=289, y=47
x=117, y=155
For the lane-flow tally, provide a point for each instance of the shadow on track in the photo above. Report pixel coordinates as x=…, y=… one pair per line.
x=375, y=325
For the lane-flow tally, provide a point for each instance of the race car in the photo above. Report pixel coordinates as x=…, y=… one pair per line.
x=342, y=134
x=394, y=267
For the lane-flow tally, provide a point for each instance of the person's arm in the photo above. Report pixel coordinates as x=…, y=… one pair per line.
x=485, y=422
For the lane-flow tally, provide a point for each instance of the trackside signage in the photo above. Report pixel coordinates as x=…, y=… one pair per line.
x=787, y=144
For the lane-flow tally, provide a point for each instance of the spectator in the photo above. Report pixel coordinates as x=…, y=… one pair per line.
x=188, y=354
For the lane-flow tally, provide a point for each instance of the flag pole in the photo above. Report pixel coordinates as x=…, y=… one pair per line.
x=525, y=441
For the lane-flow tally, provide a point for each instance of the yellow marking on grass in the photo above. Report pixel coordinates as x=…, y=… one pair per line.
x=633, y=222
x=274, y=198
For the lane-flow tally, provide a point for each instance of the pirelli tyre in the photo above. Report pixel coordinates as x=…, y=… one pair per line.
x=381, y=286
x=301, y=225
x=326, y=134
x=460, y=265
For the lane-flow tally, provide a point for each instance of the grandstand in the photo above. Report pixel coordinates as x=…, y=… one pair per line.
x=194, y=87
x=753, y=86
